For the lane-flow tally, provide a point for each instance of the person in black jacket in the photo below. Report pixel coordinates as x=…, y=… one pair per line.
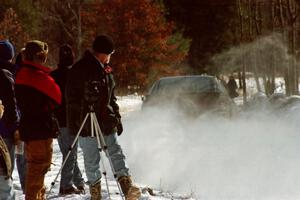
x=38, y=95
x=91, y=71
x=70, y=173
x=10, y=120
x=19, y=153
x=232, y=87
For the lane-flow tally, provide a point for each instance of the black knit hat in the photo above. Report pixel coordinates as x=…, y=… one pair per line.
x=66, y=56
x=103, y=44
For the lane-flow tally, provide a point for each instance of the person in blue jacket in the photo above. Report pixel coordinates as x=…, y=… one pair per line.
x=10, y=120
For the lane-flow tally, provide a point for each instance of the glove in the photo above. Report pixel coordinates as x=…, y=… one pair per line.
x=119, y=128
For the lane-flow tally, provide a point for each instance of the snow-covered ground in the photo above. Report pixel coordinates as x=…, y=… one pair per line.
x=128, y=104
x=254, y=156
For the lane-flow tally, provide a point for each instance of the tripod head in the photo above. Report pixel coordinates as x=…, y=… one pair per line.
x=92, y=93
x=91, y=108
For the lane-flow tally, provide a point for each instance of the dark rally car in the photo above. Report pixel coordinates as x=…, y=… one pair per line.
x=193, y=95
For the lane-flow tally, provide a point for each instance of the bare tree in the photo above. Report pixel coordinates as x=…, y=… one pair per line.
x=242, y=39
x=288, y=14
x=65, y=18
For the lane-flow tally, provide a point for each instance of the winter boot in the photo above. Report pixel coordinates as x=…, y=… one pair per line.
x=130, y=191
x=81, y=188
x=42, y=194
x=95, y=191
x=69, y=190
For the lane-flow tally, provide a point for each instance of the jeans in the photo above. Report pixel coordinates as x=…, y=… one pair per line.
x=91, y=155
x=6, y=185
x=70, y=173
x=20, y=161
x=21, y=166
x=6, y=189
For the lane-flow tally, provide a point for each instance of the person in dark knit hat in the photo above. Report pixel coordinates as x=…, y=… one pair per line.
x=10, y=121
x=103, y=44
x=94, y=67
x=69, y=177
x=38, y=95
x=7, y=51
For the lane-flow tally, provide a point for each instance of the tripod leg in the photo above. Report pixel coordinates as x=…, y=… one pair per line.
x=68, y=154
x=104, y=147
x=92, y=126
x=102, y=162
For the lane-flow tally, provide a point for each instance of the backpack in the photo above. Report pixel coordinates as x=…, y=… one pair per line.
x=5, y=158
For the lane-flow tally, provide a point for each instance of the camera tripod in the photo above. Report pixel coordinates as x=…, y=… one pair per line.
x=95, y=132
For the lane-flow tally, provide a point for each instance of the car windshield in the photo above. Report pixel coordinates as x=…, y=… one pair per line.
x=185, y=85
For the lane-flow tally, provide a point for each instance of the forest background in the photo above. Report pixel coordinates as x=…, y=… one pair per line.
x=155, y=38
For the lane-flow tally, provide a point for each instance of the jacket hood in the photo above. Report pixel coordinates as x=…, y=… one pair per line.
x=36, y=65
x=8, y=66
x=37, y=77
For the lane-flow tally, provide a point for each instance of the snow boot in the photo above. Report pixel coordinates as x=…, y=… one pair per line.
x=70, y=190
x=130, y=191
x=42, y=194
x=95, y=191
x=81, y=188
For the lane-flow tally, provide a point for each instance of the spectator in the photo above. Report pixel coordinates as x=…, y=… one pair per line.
x=70, y=173
x=93, y=67
x=19, y=152
x=10, y=119
x=37, y=95
x=232, y=87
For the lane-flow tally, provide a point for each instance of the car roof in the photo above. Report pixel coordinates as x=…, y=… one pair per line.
x=187, y=77
x=188, y=83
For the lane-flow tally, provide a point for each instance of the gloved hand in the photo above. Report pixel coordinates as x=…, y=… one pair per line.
x=119, y=128
x=1, y=109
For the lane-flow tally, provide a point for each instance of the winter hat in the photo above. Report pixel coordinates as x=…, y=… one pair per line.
x=103, y=44
x=66, y=56
x=35, y=48
x=7, y=51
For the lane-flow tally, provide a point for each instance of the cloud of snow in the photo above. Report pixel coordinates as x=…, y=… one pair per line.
x=258, y=55
x=255, y=155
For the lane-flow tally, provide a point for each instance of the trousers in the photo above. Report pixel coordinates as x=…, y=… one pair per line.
x=38, y=161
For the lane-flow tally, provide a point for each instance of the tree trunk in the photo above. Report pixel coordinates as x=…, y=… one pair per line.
x=79, y=29
x=272, y=62
x=256, y=77
x=240, y=80
x=240, y=11
x=244, y=83
x=292, y=17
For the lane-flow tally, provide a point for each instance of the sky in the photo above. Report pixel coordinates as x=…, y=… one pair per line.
x=254, y=155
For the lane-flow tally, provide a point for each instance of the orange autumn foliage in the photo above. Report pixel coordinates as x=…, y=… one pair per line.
x=143, y=38
x=11, y=29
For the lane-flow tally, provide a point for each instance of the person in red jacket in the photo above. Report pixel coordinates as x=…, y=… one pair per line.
x=37, y=95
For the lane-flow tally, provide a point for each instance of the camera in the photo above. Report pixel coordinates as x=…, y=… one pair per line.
x=92, y=91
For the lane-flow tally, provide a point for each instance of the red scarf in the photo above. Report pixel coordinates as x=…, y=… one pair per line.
x=37, y=76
